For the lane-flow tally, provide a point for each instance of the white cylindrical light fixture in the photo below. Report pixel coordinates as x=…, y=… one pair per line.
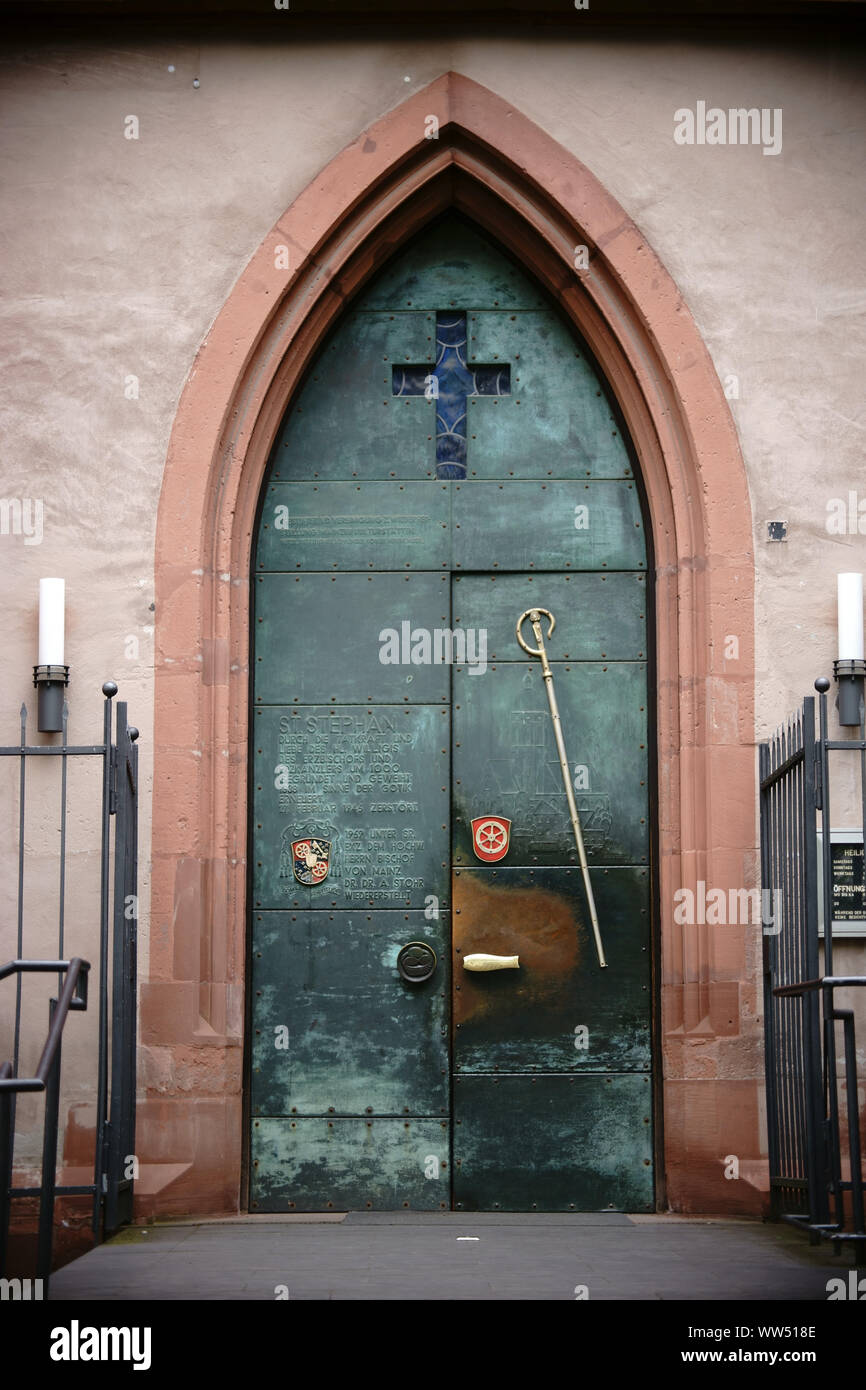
x=51, y=674
x=850, y=591
x=850, y=667
x=52, y=621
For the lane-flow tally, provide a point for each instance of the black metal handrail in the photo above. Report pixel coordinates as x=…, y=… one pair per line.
x=73, y=996
x=109, y=1068
x=837, y=1185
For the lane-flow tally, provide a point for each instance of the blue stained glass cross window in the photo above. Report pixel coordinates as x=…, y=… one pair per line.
x=447, y=384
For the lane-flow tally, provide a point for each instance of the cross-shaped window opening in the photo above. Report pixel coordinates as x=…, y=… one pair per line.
x=448, y=383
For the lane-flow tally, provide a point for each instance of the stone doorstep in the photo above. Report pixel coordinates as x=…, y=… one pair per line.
x=756, y=1172
x=301, y=1218
x=467, y=1220
x=156, y=1178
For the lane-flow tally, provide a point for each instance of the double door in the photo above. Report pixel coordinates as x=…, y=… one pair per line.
x=409, y=812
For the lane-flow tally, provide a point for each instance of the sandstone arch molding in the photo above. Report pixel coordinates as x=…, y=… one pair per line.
x=544, y=206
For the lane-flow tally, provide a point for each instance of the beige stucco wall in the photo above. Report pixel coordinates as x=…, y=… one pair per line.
x=118, y=254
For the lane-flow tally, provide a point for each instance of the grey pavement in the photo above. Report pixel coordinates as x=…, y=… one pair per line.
x=439, y=1256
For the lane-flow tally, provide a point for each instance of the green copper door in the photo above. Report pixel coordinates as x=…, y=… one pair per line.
x=430, y=1026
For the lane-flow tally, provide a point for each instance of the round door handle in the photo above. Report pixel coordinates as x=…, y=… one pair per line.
x=416, y=962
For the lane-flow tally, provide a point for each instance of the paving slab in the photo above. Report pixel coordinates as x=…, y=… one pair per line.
x=454, y=1256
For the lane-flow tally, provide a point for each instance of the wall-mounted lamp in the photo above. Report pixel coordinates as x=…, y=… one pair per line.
x=51, y=676
x=850, y=668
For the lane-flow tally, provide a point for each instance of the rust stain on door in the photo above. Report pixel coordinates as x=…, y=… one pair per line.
x=538, y=923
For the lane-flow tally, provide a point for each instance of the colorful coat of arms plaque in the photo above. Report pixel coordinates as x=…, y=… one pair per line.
x=311, y=860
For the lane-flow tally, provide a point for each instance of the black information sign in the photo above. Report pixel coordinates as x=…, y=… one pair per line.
x=849, y=899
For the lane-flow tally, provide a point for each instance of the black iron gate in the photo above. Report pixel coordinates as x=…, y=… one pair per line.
x=114, y=1161
x=808, y=1182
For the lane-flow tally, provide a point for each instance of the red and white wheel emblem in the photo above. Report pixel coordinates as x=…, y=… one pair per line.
x=490, y=837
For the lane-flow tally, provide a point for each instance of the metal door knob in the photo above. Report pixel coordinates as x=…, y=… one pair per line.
x=416, y=962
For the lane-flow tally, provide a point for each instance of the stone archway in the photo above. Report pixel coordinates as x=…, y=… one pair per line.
x=544, y=206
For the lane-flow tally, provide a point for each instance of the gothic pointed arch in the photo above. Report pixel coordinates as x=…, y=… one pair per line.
x=550, y=212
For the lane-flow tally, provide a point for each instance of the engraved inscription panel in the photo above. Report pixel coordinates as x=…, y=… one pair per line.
x=355, y=526
x=372, y=780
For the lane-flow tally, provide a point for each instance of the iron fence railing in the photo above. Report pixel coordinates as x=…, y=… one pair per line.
x=837, y=1185
x=111, y=1189
x=805, y=1142
x=46, y=1078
